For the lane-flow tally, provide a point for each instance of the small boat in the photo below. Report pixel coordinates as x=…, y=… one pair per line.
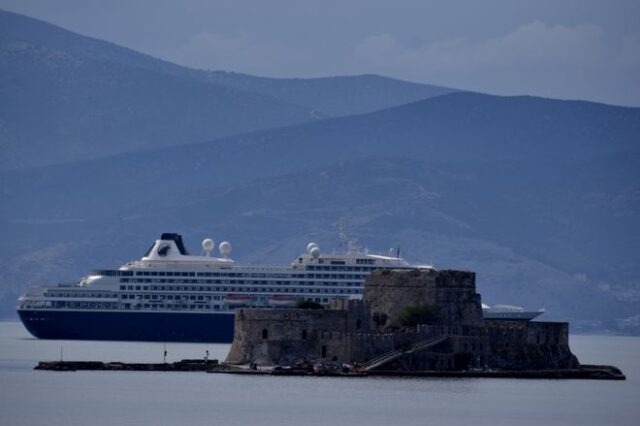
x=509, y=312
x=237, y=299
x=280, y=300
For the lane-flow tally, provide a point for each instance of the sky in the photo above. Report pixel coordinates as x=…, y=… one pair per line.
x=571, y=49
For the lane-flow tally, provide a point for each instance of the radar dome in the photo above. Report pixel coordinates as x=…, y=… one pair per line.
x=207, y=245
x=310, y=246
x=225, y=248
x=315, y=252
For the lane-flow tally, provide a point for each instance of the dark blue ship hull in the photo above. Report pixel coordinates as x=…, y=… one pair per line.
x=130, y=326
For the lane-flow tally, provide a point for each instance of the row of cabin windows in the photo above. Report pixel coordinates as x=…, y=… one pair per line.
x=152, y=306
x=79, y=294
x=112, y=273
x=324, y=276
x=216, y=274
x=242, y=289
x=340, y=268
x=242, y=282
x=81, y=305
x=337, y=276
x=322, y=268
x=168, y=297
x=194, y=288
x=172, y=307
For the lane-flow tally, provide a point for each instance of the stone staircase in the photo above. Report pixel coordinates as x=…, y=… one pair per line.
x=393, y=355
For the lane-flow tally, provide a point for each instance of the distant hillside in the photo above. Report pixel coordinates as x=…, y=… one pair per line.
x=458, y=127
x=335, y=96
x=67, y=97
x=20, y=28
x=539, y=196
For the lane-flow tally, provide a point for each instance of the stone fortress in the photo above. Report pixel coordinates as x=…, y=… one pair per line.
x=408, y=321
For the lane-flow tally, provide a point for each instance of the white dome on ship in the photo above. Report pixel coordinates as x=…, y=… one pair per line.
x=207, y=244
x=225, y=248
x=315, y=252
x=311, y=246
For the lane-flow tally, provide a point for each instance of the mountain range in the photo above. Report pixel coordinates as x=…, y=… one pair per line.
x=67, y=97
x=104, y=148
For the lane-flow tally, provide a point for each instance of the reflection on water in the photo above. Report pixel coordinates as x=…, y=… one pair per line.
x=39, y=397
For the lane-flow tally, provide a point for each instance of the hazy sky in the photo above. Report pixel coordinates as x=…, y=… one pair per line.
x=580, y=49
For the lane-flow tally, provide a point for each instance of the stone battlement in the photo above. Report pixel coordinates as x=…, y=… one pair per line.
x=408, y=320
x=452, y=293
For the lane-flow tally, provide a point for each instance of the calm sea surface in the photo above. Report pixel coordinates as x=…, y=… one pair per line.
x=29, y=397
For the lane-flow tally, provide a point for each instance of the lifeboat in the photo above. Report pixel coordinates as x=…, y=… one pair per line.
x=282, y=300
x=237, y=299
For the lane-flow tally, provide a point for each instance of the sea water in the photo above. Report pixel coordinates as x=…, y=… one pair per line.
x=29, y=397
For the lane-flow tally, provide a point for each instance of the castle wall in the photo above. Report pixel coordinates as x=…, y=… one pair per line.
x=350, y=331
x=537, y=345
x=453, y=293
x=275, y=336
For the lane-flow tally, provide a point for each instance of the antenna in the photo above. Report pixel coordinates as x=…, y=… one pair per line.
x=343, y=235
x=342, y=232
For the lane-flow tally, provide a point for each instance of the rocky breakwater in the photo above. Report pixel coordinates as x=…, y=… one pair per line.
x=422, y=322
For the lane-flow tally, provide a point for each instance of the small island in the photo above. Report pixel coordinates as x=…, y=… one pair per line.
x=410, y=322
x=419, y=322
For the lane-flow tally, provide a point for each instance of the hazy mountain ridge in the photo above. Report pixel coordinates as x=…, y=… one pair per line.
x=58, y=107
x=15, y=27
x=457, y=127
x=68, y=97
x=336, y=96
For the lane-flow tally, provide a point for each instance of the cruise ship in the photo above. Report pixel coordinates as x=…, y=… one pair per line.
x=171, y=296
